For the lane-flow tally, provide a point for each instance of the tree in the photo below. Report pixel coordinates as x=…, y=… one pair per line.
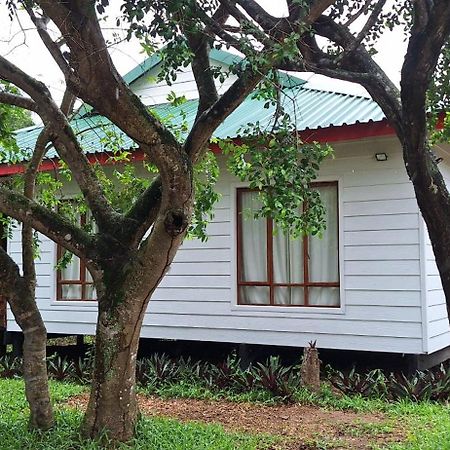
x=349, y=56
x=126, y=265
x=20, y=289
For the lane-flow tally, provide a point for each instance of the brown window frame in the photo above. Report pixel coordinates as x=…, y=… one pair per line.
x=269, y=263
x=60, y=282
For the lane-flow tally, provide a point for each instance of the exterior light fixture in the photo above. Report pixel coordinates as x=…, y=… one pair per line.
x=437, y=159
x=381, y=156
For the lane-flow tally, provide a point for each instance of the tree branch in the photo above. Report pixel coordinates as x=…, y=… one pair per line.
x=200, y=47
x=210, y=119
x=40, y=148
x=358, y=13
x=46, y=222
x=65, y=142
x=52, y=47
x=18, y=100
x=370, y=23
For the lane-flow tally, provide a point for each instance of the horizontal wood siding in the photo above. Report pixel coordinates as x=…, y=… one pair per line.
x=437, y=317
x=45, y=271
x=154, y=93
x=381, y=304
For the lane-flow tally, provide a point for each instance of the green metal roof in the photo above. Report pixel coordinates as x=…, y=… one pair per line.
x=309, y=108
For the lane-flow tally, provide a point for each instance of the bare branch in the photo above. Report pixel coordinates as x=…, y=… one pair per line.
x=210, y=119
x=45, y=221
x=371, y=21
x=259, y=14
x=40, y=148
x=29, y=270
x=52, y=47
x=316, y=9
x=364, y=8
x=200, y=47
x=18, y=100
x=64, y=140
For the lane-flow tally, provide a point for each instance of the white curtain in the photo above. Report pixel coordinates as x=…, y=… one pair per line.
x=284, y=295
x=288, y=257
x=89, y=289
x=253, y=250
x=324, y=253
x=287, y=268
x=71, y=272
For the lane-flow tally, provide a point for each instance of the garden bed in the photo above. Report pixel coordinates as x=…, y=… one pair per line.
x=300, y=427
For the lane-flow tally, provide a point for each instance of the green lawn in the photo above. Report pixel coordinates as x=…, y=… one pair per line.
x=153, y=434
x=426, y=425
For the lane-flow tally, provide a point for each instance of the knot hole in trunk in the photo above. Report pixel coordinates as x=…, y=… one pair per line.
x=175, y=222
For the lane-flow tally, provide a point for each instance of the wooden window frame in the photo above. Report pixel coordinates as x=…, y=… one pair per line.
x=60, y=282
x=307, y=284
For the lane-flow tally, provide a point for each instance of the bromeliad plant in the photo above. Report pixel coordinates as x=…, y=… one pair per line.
x=368, y=384
x=279, y=380
x=10, y=367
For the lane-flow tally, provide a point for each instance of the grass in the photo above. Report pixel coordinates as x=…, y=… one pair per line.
x=426, y=425
x=155, y=434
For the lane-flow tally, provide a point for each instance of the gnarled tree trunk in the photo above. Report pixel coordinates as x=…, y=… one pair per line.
x=124, y=288
x=28, y=317
x=25, y=311
x=112, y=404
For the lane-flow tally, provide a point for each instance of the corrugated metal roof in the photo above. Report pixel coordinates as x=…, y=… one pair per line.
x=309, y=109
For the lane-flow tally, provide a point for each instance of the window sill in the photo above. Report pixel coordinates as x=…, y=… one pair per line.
x=83, y=303
x=288, y=311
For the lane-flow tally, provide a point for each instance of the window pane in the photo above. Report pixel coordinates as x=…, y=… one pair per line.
x=324, y=252
x=254, y=295
x=71, y=291
x=288, y=296
x=324, y=296
x=287, y=258
x=253, y=239
x=89, y=292
x=88, y=276
x=72, y=271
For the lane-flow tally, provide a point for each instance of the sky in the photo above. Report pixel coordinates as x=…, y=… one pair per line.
x=20, y=43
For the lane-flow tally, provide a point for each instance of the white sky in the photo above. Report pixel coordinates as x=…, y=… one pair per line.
x=22, y=45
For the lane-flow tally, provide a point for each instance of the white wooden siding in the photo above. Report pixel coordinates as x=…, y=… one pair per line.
x=381, y=283
x=152, y=93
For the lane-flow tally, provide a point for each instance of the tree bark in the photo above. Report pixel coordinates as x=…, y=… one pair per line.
x=26, y=313
x=112, y=406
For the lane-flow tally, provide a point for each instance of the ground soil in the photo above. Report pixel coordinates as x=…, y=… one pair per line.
x=301, y=427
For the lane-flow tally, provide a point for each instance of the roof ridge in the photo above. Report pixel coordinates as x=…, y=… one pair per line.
x=329, y=91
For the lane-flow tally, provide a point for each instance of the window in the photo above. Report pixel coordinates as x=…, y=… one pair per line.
x=74, y=282
x=276, y=270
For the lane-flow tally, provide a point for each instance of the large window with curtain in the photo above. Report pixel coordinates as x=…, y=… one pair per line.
x=277, y=270
x=74, y=282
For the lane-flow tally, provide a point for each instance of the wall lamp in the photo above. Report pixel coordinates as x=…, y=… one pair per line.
x=381, y=156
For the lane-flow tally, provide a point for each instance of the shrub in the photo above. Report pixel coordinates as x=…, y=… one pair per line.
x=60, y=369
x=10, y=367
x=369, y=384
x=279, y=380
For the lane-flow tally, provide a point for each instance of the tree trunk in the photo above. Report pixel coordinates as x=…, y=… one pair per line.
x=112, y=407
x=434, y=203
x=35, y=375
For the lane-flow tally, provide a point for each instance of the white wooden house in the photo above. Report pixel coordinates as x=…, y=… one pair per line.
x=370, y=284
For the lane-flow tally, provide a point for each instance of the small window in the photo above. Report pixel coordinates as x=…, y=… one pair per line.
x=74, y=282
x=277, y=270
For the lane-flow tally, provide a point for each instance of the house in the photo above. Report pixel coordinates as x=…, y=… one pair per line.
x=370, y=284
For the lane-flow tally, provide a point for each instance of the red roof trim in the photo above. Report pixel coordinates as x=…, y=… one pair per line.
x=324, y=135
